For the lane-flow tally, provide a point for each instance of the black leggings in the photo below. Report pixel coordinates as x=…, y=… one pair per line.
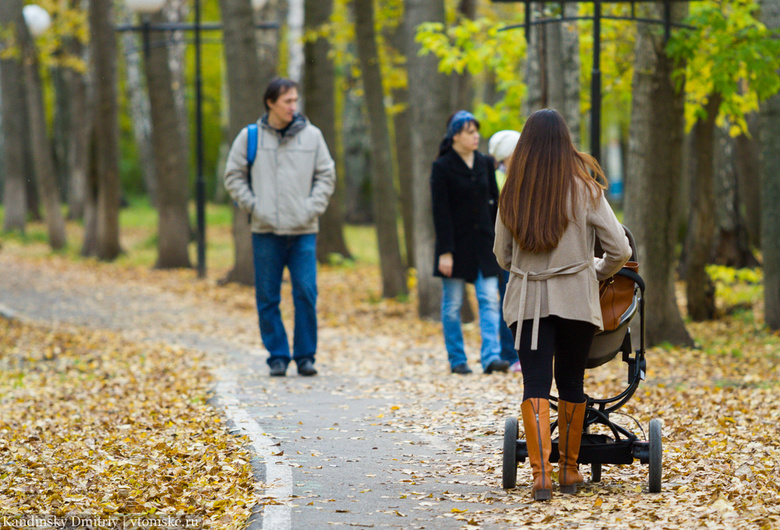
x=569, y=342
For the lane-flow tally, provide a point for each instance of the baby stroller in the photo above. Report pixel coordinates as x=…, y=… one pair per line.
x=621, y=446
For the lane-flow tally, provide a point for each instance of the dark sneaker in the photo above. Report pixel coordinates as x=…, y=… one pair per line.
x=497, y=366
x=278, y=368
x=462, y=369
x=306, y=367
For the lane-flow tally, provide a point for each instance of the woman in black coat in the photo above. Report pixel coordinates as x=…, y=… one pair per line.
x=465, y=201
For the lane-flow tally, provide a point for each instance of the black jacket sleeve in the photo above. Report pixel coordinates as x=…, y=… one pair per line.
x=442, y=215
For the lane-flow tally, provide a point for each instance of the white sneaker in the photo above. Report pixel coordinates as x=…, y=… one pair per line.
x=515, y=367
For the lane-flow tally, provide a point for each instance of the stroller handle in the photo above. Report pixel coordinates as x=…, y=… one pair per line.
x=628, y=273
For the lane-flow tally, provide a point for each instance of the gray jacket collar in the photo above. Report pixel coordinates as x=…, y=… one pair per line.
x=298, y=123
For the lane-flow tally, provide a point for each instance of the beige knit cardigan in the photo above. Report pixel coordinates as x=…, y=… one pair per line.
x=563, y=281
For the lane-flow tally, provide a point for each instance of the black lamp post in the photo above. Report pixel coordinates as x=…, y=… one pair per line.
x=144, y=8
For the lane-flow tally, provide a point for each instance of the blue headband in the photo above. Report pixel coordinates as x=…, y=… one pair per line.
x=459, y=120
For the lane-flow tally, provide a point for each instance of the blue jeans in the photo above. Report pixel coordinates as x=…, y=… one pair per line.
x=508, y=351
x=298, y=253
x=452, y=301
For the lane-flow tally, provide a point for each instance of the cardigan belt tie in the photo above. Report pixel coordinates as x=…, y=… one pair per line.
x=537, y=277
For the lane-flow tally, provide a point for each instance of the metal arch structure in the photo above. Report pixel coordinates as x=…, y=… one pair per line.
x=595, y=83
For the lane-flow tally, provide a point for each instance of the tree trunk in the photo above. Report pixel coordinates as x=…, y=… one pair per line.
x=295, y=26
x=178, y=11
x=552, y=70
x=170, y=161
x=770, y=187
x=384, y=194
x=31, y=189
x=402, y=136
x=104, y=53
x=533, y=69
x=11, y=88
x=71, y=121
x=357, y=158
x=700, y=290
x=429, y=118
x=78, y=142
x=732, y=246
x=245, y=88
x=748, y=176
x=138, y=108
x=319, y=95
x=570, y=66
x=43, y=160
x=90, y=244
x=655, y=156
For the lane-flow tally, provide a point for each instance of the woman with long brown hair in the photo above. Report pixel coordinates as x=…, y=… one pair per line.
x=551, y=209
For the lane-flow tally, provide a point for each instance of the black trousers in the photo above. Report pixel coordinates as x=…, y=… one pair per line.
x=566, y=341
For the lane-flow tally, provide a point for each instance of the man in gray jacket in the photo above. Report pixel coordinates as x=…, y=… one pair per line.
x=292, y=179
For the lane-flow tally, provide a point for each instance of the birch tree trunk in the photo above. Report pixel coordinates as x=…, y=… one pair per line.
x=104, y=53
x=245, y=89
x=429, y=117
x=12, y=105
x=319, y=95
x=770, y=187
x=170, y=160
x=295, y=45
x=43, y=159
x=655, y=159
x=384, y=195
x=138, y=107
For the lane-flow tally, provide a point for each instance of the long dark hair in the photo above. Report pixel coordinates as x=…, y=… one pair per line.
x=446, y=142
x=540, y=190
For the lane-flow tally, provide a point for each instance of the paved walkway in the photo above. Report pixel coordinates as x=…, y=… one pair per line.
x=359, y=445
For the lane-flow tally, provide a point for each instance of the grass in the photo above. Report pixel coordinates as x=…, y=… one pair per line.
x=138, y=238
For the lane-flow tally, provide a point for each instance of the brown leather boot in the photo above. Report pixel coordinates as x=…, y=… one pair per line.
x=571, y=416
x=536, y=420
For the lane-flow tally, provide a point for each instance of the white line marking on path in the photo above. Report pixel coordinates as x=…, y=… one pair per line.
x=278, y=474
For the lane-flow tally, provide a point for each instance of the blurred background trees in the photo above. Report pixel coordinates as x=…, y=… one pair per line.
x=89, y=121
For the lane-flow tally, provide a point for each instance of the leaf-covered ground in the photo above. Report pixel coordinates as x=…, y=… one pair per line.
x=718, y=404
x=93, y=424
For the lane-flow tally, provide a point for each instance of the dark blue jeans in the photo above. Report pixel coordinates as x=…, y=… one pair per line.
x=272, y=254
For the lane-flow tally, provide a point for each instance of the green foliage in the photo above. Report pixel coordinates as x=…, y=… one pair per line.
x=736, y=289
x=479, y=46
x=340, y=32
x=618, y=38
x=9, y=48
x=729, y=53
x=67, y=23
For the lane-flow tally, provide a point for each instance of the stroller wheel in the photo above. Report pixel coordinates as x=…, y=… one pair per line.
x=595, y=472
x=656, y=456
x=510, y=454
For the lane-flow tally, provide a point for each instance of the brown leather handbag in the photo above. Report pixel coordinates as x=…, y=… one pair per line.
x=616, y=294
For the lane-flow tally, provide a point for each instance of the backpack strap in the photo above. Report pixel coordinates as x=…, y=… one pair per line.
x=251, y=149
